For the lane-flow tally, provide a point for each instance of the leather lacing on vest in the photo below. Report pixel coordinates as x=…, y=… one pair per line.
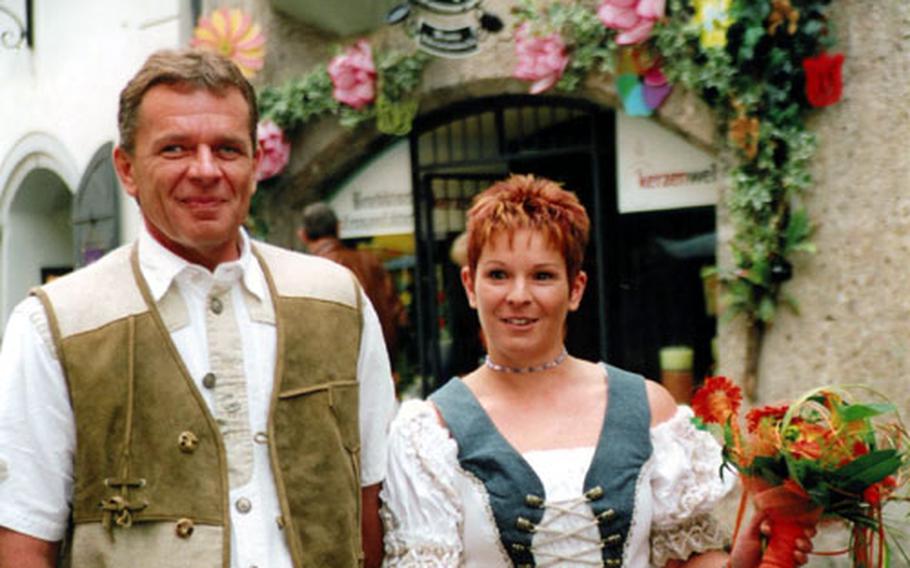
x=118, y=509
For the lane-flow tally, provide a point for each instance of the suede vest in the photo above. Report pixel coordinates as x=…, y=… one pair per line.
x=516, y=494
x=151, y=482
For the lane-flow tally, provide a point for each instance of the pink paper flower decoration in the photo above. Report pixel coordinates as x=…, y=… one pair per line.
x=354, y=75
x=633, y=19
x=541, y=59
x=276, y=150
x=232, y=33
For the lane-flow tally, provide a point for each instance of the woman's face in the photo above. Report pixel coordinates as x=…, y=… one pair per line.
x=522, y=294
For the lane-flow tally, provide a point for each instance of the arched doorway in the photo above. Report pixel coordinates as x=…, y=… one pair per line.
x=37, y=234
x=644, y=290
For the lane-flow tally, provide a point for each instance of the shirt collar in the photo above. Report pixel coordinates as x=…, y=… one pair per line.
x=160, y=266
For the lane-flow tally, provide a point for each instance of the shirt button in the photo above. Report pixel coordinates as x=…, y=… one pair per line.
x=216, y=306
x=208, y=381
x=185, y=528
x=243, y=505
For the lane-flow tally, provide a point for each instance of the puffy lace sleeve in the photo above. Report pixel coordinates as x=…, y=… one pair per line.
x=421, y=510
x=687, y=486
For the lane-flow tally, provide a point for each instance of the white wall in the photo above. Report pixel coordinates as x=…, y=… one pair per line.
x=58, y=103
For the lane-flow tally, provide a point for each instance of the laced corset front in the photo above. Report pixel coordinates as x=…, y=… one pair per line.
x=568, y=533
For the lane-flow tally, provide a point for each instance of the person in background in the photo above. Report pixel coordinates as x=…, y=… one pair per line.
x=319, y=234
x=538, y=457
x=191, y=399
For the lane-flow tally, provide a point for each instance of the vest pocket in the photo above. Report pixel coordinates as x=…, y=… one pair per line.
x=342, y=399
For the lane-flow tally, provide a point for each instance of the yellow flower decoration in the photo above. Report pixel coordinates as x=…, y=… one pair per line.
x=714, y=18
x=232, y=33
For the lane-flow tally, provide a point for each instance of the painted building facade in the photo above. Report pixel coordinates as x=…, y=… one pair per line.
x=58, y=106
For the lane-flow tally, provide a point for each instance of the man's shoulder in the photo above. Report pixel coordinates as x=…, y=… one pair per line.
x=96, y=294
x=297, y=274
x=118, y=260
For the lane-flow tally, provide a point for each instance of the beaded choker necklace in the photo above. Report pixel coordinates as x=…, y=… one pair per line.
x=506, y=369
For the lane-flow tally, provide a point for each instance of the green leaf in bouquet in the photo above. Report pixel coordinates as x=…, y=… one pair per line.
x=820, y=494
x=853, y=412
x=771, y=469
x=870, y=468
x=808, y=473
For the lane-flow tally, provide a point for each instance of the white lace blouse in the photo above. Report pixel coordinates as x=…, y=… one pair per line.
x=437, y=514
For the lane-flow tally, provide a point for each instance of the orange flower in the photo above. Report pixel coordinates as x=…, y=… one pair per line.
x=809, y=438
x=717, y=401
x=807, y=449
x=782, y=12
x=744, y=133
x=770, y=413
x=764, y=441
x=233, y=34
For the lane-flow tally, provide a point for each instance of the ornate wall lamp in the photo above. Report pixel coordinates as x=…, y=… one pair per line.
x=13, y=32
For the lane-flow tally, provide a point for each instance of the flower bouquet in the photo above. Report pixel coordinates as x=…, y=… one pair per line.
x=823, y=456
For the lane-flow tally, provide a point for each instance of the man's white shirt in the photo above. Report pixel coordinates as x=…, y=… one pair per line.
x=37, y=426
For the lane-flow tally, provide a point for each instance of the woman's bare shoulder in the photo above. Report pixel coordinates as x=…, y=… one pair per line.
x=663, y=405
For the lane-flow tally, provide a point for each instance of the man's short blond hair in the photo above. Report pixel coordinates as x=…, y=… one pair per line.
x=196, y=69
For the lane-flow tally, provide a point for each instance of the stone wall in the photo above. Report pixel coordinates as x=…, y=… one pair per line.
x=854, y=319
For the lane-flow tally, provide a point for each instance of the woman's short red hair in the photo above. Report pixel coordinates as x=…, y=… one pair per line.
x=528, y=202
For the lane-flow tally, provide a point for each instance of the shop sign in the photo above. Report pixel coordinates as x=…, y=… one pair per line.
x=448, y=6
x=456, y=42
x=377, y=200
x=658, y=169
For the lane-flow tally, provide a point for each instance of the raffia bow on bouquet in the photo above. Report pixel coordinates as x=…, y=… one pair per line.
x=821, y=457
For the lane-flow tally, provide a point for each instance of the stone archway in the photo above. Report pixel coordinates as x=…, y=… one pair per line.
x=325, y=151
x=37, y=179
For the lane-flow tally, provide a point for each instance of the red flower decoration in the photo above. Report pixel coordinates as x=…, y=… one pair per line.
x=717, y=401
x=823, y=79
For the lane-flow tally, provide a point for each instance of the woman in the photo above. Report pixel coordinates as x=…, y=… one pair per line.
x=537, y=457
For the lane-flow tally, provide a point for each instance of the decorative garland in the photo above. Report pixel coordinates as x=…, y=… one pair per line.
x=761, y=65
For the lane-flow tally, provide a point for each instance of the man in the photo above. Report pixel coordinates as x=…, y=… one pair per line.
x=192, y=399
x=320, y=235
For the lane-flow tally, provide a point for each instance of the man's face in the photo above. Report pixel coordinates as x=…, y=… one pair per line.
x=192, y=170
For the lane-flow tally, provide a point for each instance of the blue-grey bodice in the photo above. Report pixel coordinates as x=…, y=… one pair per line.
x=515, y=492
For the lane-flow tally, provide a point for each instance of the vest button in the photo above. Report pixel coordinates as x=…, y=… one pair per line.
x=534, y=501
x=594, y=493
x=187, y=442
x=185, y=528
x=216, y=306
x=524, y=524
x=243, y=505
x=208, y=381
